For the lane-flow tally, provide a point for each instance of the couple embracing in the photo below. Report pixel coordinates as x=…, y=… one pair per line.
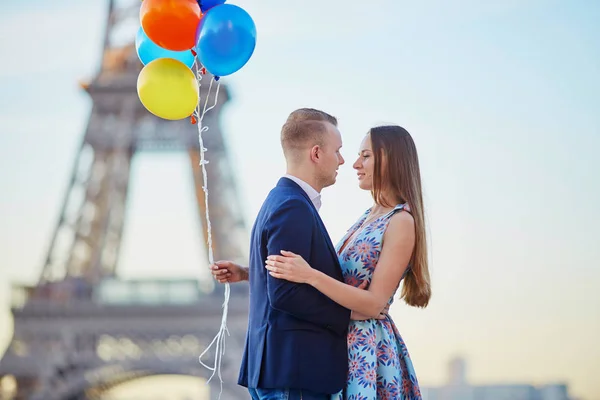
x=318, y=323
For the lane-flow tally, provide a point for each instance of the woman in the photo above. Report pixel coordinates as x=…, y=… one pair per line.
x=385, y=246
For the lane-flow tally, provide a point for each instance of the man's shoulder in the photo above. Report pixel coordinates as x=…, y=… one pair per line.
x=286, y=197
x=288, y=206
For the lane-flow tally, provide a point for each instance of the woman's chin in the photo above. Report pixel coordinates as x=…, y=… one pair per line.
x=363, y=185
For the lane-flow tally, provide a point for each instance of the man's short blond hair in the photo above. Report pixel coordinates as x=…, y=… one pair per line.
x=305, y=128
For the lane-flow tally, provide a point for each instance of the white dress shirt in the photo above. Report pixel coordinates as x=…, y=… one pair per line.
x=313, y=195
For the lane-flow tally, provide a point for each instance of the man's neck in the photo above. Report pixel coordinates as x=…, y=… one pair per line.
x=306, y=178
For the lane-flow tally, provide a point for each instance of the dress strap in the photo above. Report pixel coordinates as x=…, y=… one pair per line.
x=400, y=207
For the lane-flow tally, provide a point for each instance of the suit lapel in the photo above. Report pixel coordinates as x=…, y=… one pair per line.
x=329, y=243
x=290, y=183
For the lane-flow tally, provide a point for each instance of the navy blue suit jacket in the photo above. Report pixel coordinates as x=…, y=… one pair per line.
x=296, y=336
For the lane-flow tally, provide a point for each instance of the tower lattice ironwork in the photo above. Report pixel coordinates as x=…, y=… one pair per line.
x=81, y=330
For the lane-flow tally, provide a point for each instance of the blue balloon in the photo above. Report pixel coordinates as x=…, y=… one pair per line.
x=208, y=4
x=225, y=39
x=148, y=51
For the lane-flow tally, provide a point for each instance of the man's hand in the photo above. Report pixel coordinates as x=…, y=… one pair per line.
x=356, y=316
x=228, y=272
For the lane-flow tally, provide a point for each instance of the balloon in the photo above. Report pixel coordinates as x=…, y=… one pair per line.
x=208, y=4
x=171, y=24
x=148, y=51
x=168, y=89
x=226, y=38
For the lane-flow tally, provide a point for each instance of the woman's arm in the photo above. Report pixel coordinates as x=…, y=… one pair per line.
x=397, y=248
x=230, y=272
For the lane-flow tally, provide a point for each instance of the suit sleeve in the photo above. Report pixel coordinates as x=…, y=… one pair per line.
x=291, y=228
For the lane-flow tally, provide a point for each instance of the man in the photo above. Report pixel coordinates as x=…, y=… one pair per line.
x=296, y=341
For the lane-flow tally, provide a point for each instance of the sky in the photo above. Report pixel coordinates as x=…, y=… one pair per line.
x=501, y=98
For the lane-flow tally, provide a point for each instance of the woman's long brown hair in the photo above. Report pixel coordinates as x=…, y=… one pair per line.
x=397, y=173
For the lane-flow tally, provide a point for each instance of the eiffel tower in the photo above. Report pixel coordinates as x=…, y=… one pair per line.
x=81, y=330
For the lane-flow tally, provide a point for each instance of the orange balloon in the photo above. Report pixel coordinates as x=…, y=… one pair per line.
x=171, y=24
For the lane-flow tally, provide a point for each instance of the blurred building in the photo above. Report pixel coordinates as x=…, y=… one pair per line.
x=458, y=388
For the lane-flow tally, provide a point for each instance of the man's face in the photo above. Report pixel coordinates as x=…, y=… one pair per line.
x=330, y=156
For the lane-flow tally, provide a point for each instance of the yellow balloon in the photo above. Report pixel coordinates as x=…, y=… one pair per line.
x=168, y=89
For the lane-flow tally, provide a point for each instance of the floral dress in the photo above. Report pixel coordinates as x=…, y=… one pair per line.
x=379, y=365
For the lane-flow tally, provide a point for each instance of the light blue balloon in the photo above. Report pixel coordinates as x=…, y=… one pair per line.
x=148, y=51
x=225, y=39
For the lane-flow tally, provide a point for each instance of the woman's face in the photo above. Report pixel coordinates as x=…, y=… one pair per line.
x=365, y=164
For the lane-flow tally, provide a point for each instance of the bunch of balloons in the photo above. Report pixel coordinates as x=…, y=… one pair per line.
x=177, y=34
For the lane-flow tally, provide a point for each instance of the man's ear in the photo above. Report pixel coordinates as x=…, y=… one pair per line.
x=315, y=153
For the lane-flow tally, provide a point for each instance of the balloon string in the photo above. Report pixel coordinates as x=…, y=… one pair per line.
x=219, y=339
